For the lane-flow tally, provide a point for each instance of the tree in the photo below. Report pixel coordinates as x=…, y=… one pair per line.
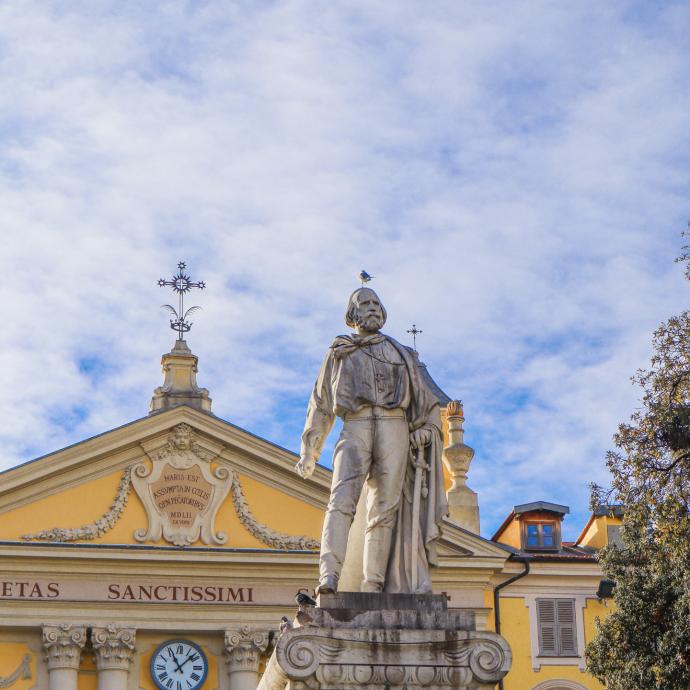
x=644, y=643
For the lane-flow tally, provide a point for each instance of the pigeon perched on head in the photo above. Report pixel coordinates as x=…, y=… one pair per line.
x=285, y=624
x=365, y=277
x=304, y=599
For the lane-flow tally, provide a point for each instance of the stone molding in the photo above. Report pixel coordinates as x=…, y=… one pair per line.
x=113, y=646
x=559, y=684
x=262, y=532
x=94, y=529
x=22, y=671
x=62, y=645
x=329, y=658
x=244, y=647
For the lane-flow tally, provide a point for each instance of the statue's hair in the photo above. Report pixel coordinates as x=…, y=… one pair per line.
x=351, y=311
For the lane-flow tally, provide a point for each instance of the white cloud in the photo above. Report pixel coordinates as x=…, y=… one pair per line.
x=515, y=176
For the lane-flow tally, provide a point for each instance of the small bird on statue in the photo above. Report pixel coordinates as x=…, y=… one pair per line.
x=304, y=599
x=365, y=277
x=285, y=625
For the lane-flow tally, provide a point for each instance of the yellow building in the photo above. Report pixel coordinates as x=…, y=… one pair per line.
x=179, y=541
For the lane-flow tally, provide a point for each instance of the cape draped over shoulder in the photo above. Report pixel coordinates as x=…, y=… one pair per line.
x=422, y=411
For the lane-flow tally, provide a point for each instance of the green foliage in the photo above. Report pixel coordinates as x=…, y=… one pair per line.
x=644, y=643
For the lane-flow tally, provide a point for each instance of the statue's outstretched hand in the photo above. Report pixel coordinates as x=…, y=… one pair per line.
x=420, y=437
x=305, y=466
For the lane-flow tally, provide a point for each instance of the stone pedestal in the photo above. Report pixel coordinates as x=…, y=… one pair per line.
x=179, y=386
x=386, y=641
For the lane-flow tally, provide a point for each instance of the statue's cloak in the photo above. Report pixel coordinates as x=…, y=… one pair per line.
x=423, y=411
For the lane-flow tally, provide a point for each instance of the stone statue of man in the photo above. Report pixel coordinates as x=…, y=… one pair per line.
x=373, y=383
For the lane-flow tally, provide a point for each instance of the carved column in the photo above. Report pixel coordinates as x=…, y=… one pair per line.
x=62, y=645
x=113, y=648
x=457, y=456
x=243, y=649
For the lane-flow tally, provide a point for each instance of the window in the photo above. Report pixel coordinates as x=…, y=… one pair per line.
x=541, y=535
x=556, y=623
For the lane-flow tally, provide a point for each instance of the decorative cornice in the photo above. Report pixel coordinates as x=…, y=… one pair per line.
x=63, y=644
x=94, y=529
x=355, y=658
x=113, y=646
x=244, y=647
x=23, y=671
x=263, y=533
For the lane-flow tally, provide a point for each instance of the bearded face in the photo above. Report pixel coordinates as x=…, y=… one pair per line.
x=369, y=313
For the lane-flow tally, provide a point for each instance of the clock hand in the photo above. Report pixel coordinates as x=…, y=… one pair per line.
x=191, y=654
x=177, y=663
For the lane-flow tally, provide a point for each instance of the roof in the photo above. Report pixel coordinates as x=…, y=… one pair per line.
x=602, y=510
x=615, y=510
x=541, y=505
x=527, y=508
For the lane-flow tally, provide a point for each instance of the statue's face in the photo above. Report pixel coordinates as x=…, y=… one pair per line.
x=181, y=440
x=369, y=311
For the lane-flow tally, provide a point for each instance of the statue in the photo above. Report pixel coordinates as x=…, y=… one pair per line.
x=390, y=446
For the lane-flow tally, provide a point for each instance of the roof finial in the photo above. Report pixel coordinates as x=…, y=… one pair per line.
x=180, y=283
x=415, y=332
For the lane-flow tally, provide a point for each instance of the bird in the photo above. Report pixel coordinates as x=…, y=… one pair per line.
x=305, y=620
x=285, y=624
x=365, y=277
x=304, y=599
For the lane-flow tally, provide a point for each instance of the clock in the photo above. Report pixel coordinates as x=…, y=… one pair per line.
x=179, y=665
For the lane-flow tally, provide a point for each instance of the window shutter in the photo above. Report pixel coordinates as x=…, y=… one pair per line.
x=567, y=637
x=546, y=621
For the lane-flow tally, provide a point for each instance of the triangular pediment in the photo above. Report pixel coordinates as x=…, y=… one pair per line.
x=458, y=542
x=140, y=484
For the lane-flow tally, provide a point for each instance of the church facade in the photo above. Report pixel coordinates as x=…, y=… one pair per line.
x=164, y=554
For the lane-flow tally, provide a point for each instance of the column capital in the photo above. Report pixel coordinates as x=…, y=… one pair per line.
x=62, y=645
x=244, y=647
x=113, y=646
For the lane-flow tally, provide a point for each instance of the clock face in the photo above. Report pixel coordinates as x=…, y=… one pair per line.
x=179, y=665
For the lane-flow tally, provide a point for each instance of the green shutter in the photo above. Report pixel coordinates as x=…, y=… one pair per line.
x=546, y=621
x=567, y=634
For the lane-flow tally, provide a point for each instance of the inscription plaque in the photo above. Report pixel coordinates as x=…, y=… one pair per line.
x=181, y=492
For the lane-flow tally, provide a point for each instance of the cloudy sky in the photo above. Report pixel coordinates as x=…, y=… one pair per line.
x=515, y=175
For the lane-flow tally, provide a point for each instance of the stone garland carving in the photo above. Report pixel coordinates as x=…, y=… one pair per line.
x=113, y=646
x=94, y=529
x=63, y=644
x=262, y=532
x=23, y=671
x=173, y=452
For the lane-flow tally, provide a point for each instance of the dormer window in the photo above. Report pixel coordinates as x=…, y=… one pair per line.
x=541, y=535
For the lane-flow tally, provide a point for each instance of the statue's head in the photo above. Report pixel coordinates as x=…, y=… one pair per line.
x=365, y=311
x=182, y=436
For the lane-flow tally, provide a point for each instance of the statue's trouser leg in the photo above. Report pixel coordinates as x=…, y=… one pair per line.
x=351, y=462
x=391, y=449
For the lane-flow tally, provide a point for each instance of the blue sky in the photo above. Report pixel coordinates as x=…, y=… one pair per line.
x=515, y=175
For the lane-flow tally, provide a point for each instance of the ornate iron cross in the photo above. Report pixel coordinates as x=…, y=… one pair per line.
x=415, y=332
x=180, y=283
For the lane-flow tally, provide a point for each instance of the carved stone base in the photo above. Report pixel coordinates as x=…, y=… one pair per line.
x=442, y=650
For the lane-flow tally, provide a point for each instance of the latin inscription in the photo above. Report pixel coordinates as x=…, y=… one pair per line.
x=181, y=495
